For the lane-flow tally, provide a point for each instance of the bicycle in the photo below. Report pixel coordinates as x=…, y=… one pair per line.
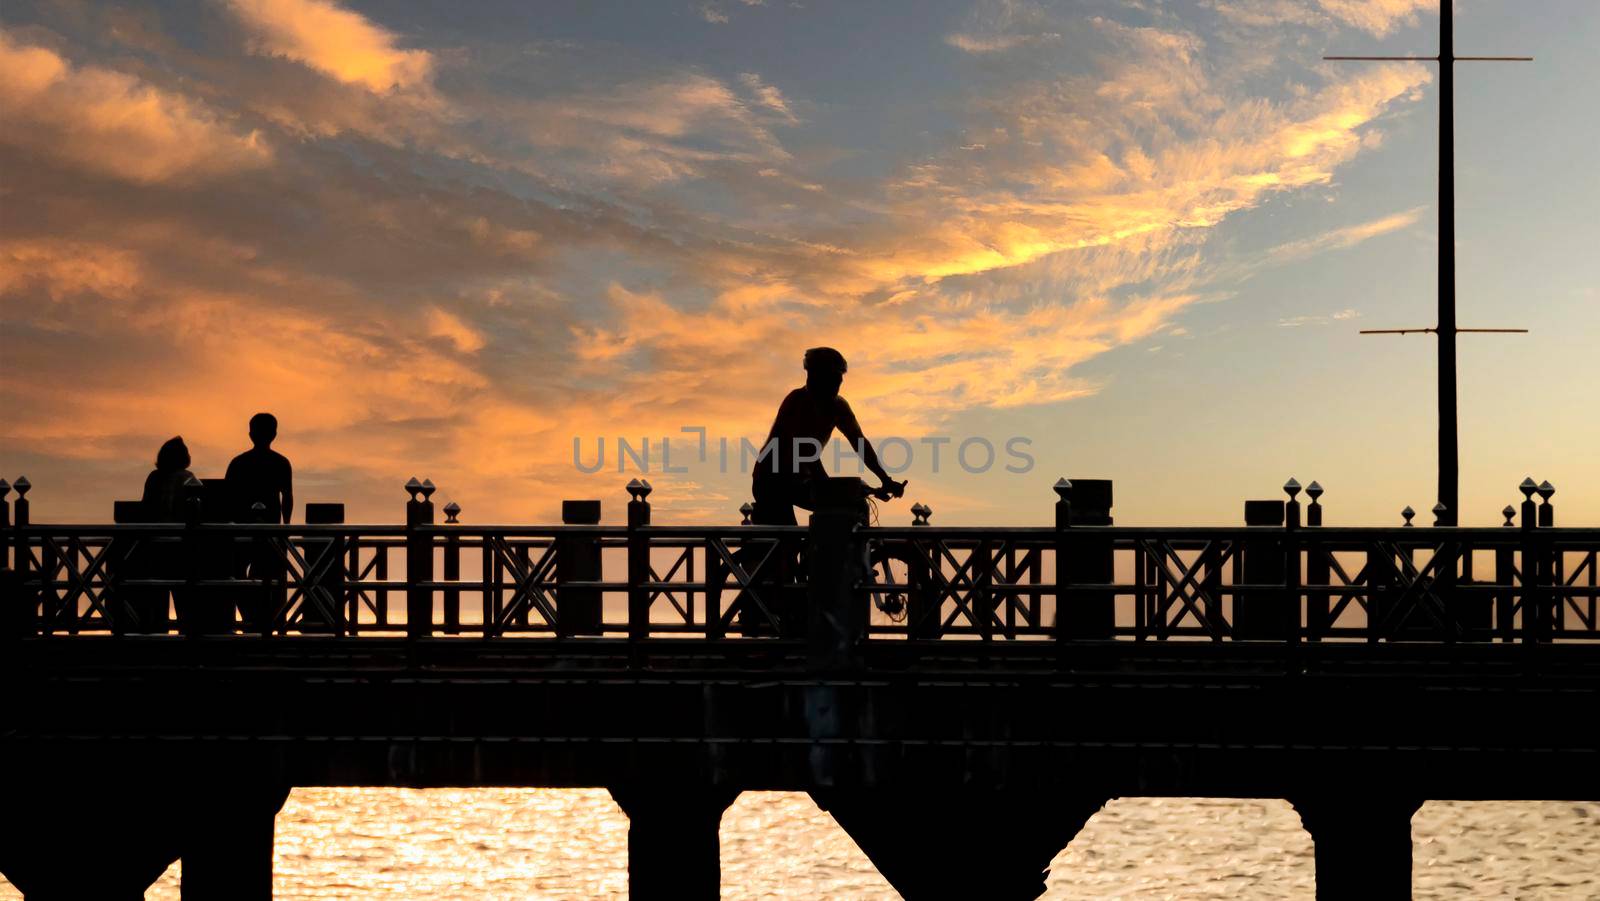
x=894, y=601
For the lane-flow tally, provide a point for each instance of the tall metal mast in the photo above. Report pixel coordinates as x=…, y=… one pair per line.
x=1446, y=330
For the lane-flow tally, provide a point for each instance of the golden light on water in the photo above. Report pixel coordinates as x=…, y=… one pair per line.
x=364, y=844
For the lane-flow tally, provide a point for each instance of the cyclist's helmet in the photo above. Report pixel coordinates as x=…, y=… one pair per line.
x=825, y=359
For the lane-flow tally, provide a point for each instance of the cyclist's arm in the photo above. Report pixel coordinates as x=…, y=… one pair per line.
x=851, y=430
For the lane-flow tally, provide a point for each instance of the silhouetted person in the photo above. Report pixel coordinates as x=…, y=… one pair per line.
x=163, y=488
x=782, y=480
x=163, y=501
x=262, y=476
x=805, y=423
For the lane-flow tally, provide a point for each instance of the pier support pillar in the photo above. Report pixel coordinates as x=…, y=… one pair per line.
x=227, y=852
x=962, y=844
x=674, y=849
x=1363, y=845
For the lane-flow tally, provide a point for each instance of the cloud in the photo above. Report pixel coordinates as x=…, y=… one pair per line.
x=769, y=97
x=1328, y=319
x=63, y=270
x=1349, y=236
x=450, y=327
x=335, y=41
x=997, y=43
x=653, y=131
x=114, y=124
x=1380, y=17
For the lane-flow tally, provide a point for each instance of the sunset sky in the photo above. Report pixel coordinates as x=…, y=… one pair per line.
x=446, y=239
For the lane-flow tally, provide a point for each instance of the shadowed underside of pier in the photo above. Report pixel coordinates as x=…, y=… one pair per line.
x=171, y=743
x=1116, y=719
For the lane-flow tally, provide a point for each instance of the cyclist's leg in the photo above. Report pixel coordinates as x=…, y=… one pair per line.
x=774, y=503
x=773, y=507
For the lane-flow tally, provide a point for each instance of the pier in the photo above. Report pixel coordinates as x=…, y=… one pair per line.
x=960, y=699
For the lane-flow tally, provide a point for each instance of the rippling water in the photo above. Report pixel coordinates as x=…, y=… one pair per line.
x=543, y=843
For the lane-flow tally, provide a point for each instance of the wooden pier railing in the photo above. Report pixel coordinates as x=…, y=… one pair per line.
x=1522, y=583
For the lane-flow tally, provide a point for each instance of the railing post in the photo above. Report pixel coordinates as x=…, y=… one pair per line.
x=1532, y=600
x=837, y=564
x=419, y=559
x=638, y=564
x=452, y=571
x=1088, y=561
x=191, y=601
x=1063, y=623
x=34, y=596
x=1318, y=570
x=1446, y=574
x=1551, y=570
x=493, y=591
x=922, y=605
x=1505, y=562
x=1257, y=612
x=15, y=619
x=23, y=559
x=578, y=560
x=1290, y=613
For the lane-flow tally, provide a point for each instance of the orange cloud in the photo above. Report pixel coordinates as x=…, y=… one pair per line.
x=335, y=41
x=112, y=123
x=448, y=326
x=1377, y=16
x=66, y=269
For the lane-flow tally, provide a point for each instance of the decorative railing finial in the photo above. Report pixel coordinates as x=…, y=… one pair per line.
x=638, y=489
x=1528, y=487
x=5, y=489
x=427, y=489
x=1510, y=513
x=1291, y=488
x=746, y=510
x=920, y=512
x=451, y=511
x=22, y=485
x=1440, y=512
x=1408, y=514
x=413, y=487
x=1062, y=487
x=1547, y=510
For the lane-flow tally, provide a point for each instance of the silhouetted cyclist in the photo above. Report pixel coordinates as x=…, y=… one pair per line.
x=805, y=423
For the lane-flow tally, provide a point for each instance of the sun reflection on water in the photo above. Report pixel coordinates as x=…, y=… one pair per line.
x=448, y=844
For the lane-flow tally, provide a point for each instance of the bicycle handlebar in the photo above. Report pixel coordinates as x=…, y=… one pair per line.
x=886, y=493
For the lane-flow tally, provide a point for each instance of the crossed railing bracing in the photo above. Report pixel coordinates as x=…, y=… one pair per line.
x=751, y=582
